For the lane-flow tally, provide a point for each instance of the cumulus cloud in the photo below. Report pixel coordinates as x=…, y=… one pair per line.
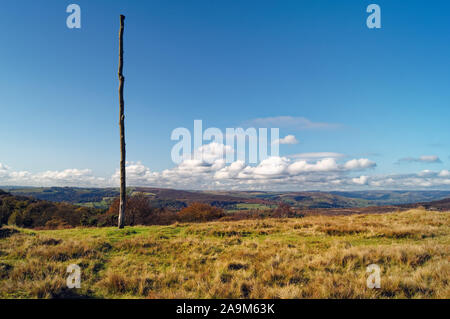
x=416, y=181
x=230, y=171
x=282, y=173
x=288, y=139
x=421, y=159
x=67, y=177
x=362, y=180
x=212, y=172
x=444, y=173
x=211, y=152
x=324, y=165
x=207, y=169
x=317, y=155
x=291, y=122
x=272, y=166
x=358, y=164
x=275, y=172
x=136, y=174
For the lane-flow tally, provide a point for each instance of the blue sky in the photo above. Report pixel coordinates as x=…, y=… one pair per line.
x=227, y=63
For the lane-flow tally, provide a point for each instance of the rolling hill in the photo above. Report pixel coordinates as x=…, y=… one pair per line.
x=232, y=200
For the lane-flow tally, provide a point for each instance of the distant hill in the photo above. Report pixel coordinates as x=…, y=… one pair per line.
x=61, y=207
x=102, y=197
x=189, y=196
x=335, y=199
x=441, y=205
x=395, y=197
x=232, y=200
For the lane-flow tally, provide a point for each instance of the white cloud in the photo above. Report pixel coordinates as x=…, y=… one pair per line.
x=288, y=139
x=426, y=179
x=444, y=173
x=211, y=172
x=324, y=165
x=67, y=177
x=357, y=164
x=362, y=180
x=317, y=155
x=421, y=159
x=272, y=166
x=70, y=177
x=136, y=174
x=230, y=171
x=212, y=152
x=292, y=122
x=430, y=159
x=281, y=173
x=426, y=173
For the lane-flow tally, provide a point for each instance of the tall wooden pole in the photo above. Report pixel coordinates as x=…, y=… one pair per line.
x=123, y=194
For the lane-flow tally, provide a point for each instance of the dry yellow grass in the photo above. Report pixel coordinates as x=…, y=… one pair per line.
x=311, y=257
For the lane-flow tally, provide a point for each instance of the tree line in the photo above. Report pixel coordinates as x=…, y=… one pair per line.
x=28, y=212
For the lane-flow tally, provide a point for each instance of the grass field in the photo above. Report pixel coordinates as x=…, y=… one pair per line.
x=250, y=206
x=311, y=257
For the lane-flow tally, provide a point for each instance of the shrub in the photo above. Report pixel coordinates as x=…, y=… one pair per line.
x=2, y=217
x=199, y=212
x=138, y=211
x=283, y=210
x=32, y=213
x=56, y=223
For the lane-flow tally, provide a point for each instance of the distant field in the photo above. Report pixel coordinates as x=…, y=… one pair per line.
x=104, y=203
x=311, y=257
x=250, y=206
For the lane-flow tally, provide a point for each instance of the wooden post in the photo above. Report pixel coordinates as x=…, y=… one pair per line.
x=123, y=194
